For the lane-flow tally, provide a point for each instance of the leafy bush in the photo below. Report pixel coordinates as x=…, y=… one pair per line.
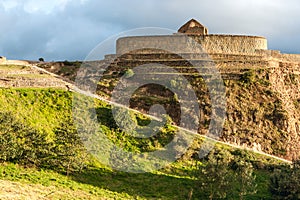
x=129, y=73
x=294, y=78
x=297, y=103
x=285, y=182
x=61, y=151
x=20, y=143
x=67, y=63
x=68, y=150
x=215, y=175
x=248, y=77
x=224, y=176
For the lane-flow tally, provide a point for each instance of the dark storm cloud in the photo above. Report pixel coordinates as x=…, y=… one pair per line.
x=70, y=29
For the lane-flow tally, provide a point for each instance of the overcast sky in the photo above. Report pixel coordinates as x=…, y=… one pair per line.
x=70, y=29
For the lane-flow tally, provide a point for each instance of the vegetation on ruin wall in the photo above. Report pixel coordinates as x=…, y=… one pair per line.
x=37, y=132
x=256, y=115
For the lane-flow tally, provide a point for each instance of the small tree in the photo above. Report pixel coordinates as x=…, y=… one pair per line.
x=41, y=60
x=69, y=153
x=215, y=177
x=245, y=177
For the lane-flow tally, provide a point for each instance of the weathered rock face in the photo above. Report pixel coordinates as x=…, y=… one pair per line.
x=285, y=82
x=261, y=114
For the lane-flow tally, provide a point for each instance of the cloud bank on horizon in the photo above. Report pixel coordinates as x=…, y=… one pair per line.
x=70, y=29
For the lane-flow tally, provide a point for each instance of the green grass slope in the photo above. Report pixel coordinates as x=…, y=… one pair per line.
x=39, y=164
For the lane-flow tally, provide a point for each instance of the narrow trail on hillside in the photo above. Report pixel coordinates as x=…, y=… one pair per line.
x=74, y=88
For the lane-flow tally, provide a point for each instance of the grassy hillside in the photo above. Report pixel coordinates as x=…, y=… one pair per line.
x=45, y=113
x=43, y=109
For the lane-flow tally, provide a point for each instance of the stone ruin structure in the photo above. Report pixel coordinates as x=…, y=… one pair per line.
x=233, y=56
x=229, y=52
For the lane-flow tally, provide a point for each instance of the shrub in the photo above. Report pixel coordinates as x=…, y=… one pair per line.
x=67, y=63
x=61, y=151
x=248, y=77
x=285, y=182
x=293, y=78
x=224, y=176
x=244, y=175
x=20, y=143
x=129, y=73
x=68, y=153
x=297, y=103
x=215, y=176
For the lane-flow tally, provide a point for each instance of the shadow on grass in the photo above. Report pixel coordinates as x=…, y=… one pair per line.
x=147, y=185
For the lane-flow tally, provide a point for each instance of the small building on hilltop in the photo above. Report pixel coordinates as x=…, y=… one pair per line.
x=193, y=27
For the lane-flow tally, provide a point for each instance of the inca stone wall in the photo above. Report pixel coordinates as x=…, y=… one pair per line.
x=231, y=53
x=226, y=44
x=232, y=44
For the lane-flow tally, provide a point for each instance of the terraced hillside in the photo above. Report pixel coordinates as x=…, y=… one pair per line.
x=262, y=95
x=20, y=76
